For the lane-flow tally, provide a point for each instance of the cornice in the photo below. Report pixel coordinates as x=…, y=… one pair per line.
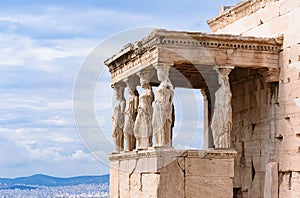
x=166, y=38
x=237, y=12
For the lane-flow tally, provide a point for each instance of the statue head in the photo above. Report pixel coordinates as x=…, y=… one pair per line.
x=162, y=72
x=131, y=84
x=118, y=90
x=131, y=91
x=145, y=77
x=223, y=75
x=145, y=85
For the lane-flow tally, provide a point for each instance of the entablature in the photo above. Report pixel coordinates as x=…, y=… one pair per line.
x=186, y=50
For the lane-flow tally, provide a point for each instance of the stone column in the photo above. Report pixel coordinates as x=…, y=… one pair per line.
x=118, y=118
x=163, y=112
x=131, y=111
x=207, y=137
x=222, y=118
x=143, y=124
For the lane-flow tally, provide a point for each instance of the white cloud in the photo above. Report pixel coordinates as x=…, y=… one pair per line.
x=25, y=52
x=41, y=50
x=61, y=138
x=56, y=120
x=18, y=151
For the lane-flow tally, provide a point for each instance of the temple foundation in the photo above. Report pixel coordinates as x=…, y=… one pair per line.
x=172, y=173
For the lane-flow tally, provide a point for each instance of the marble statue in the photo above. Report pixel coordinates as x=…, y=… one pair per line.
x=222, y=118
x=130, y=117
x=143, y=124
x=163, y=118
x=118, y=119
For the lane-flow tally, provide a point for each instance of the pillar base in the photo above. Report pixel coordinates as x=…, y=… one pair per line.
x=172, y=173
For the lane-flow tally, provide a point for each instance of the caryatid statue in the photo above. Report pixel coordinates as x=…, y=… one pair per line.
x=222, y=118
x=131, y=111
x=163, y=111
x=143, y=124
x=118, y=118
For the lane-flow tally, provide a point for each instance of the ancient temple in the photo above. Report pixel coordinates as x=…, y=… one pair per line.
x=248, y=71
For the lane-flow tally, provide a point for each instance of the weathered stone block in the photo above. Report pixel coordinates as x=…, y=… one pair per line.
x=289, y=144
x=271, y=180
x=172, y=175
x=217, y=187
x=246, y=175
x=259, y=31
x=124, y=166
x=251, y=21
x=287, y=6
x=124, y=184
x=291, y=37
x=289, y=184
x=209, y=167
x=295, y=161
x=270, y=12
x=135, y=185
x=260, y=162
x=295, y=180
x=283, y=128
x=138, y=175
x=261, y=131
x=150, y=183
x=278, y=25
x=255, y=189
x=155, y=164
x=114, y=179
x=252, y=147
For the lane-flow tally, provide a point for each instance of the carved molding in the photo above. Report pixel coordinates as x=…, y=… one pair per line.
x=152, y=50
x=152, y=152
x=237, y=12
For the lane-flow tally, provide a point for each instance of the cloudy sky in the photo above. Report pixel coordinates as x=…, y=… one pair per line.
x=44, y=47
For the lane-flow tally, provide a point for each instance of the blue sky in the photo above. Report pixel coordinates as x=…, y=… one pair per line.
x=42, y=47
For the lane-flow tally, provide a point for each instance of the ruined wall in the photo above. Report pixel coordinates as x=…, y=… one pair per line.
x=267, y=140
x=254, y=102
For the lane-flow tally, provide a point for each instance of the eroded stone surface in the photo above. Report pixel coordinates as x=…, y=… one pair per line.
x=265, y=86
x=271, y=180
x=172, y=173
x=266, y=118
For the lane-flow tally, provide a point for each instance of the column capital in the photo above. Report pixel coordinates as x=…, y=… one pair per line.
x=163, y=64
x=162, y=67
x=272, y=75
x=224, y=70
x=131, y=82
x=145, y=75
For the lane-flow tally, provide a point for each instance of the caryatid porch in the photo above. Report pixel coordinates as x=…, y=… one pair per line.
x=170, y=59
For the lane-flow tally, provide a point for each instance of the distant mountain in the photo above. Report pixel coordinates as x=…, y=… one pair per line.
x=45, y=180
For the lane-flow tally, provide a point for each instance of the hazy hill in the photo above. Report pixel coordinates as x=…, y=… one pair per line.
x=45, y=180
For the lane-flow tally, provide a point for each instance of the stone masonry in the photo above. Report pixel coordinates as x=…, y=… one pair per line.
x=267, y=117
x=252, y=61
